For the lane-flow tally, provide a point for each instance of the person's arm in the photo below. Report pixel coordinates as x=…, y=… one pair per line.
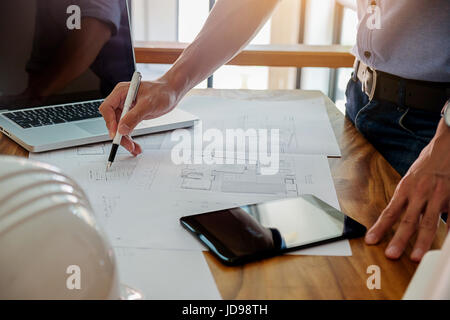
x=421, y=196
x=73, y=58
x=228, y=29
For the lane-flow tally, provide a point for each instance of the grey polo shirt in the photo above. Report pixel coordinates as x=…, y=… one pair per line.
x=413, y=40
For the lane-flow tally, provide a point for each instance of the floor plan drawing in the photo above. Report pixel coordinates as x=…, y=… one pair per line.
x=236, y=178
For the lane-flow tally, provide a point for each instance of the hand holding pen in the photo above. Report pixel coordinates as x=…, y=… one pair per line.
x=131, y=97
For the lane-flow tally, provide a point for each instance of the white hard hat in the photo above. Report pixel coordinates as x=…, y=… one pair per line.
x=50, y=244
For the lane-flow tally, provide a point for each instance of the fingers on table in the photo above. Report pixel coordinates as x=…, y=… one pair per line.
x=407, y=228
x=387, y=219
x=422, y=209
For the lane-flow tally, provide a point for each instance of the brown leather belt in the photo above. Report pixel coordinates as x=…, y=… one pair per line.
x=416, y=94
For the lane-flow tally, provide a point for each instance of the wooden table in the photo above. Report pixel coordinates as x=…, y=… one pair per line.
x=364, y=182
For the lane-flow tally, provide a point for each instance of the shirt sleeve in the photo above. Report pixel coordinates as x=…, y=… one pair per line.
x=108, y=11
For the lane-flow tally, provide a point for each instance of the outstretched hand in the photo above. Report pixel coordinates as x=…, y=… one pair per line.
x=421, y=196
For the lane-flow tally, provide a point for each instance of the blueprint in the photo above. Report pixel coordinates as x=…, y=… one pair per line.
x=161, y=198
x=87, y=166
x=245, y=178
x=140, y=199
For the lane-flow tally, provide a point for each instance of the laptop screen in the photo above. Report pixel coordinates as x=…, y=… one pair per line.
x=62, y=51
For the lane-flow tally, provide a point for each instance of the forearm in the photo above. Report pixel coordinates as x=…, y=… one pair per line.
x=440, y=144
x=228, y=29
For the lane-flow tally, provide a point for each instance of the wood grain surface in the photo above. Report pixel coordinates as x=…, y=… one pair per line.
x=364, y=182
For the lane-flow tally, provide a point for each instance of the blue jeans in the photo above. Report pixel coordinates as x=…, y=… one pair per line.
x=397, y=132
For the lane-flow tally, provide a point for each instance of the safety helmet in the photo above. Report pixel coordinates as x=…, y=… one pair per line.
x=51, y=246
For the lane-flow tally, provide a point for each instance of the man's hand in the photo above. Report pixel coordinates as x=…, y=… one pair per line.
x=154, y=99
x=421, y=196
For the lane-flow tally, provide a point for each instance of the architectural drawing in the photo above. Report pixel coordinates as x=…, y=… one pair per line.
x=237, y=178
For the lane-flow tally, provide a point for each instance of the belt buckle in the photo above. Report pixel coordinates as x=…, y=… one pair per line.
x=369, y=83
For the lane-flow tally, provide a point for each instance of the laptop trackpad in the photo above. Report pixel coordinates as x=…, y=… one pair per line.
x=96, y=127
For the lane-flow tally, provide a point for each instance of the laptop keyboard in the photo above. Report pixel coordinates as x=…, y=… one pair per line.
x=54, y=115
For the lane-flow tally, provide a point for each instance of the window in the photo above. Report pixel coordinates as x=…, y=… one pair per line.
x=348, y=37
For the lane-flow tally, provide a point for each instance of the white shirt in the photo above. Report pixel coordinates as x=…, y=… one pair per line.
x=407, y=38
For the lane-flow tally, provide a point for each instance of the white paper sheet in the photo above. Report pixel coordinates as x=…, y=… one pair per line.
x=87, y=164
x=304, y=125
x=167, y=274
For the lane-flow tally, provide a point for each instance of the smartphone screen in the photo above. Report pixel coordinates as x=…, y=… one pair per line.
x=255, y=231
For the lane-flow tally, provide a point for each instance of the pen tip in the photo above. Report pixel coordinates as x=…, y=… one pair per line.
x=108, y=166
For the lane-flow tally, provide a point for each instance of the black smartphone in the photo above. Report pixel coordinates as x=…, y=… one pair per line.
x=239, y=235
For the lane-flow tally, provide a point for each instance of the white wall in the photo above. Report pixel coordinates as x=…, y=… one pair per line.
x=154, y=20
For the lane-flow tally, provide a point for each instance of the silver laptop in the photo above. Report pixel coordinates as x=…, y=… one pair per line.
x=54, y=76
